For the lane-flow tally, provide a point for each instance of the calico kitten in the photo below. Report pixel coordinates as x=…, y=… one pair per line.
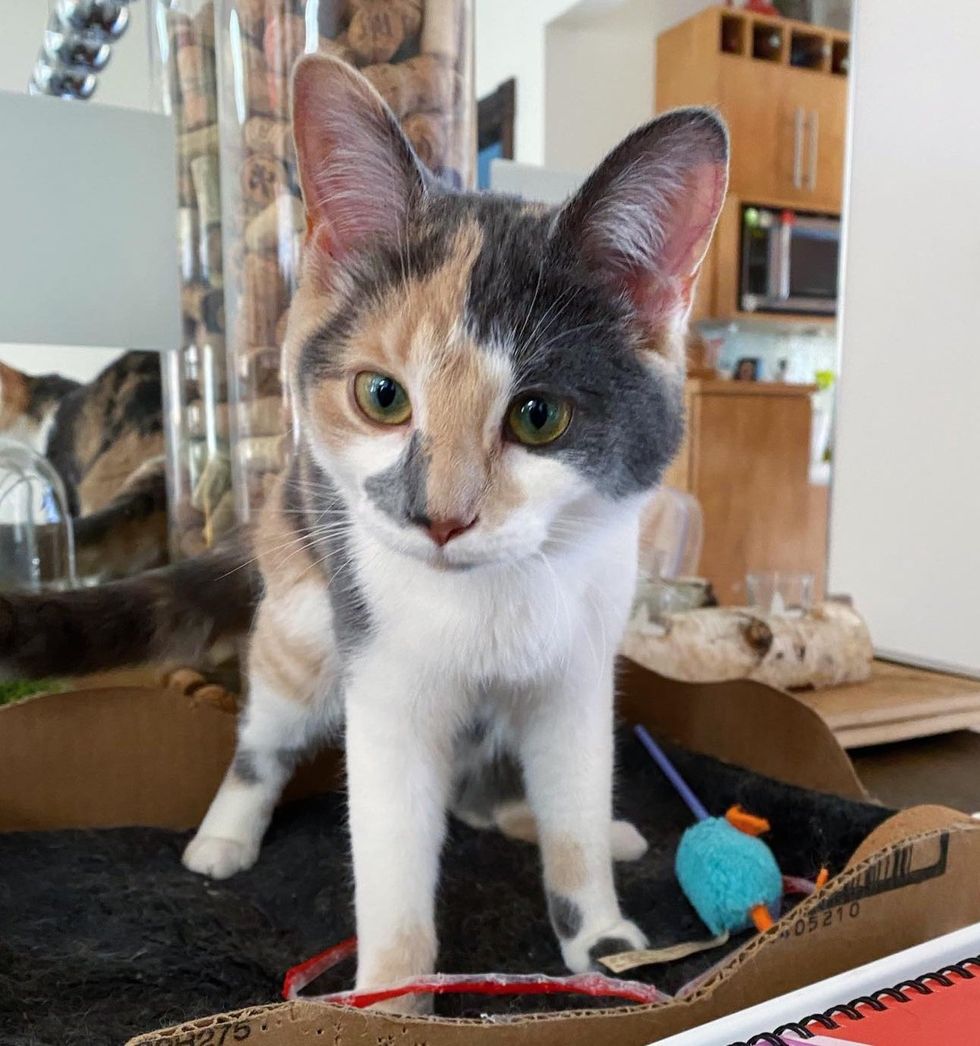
x=485, y=393
x=105, y=440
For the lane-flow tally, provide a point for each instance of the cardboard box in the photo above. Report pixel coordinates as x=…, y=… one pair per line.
x=154, y=757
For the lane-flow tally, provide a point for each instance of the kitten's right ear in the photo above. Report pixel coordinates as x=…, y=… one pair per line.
x=357, y=170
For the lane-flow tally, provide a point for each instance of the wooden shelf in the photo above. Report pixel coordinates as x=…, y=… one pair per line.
x=781, y=41
x=898, y=702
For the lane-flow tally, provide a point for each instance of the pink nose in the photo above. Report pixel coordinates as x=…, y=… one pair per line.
x=442, y=531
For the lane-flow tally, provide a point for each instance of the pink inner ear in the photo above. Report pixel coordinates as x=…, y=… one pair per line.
x=356, y=172
x=690, y=220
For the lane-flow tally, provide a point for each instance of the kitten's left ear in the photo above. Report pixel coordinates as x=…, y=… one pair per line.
x=643, y=220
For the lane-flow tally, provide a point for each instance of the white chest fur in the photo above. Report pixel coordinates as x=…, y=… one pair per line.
x=511, y=624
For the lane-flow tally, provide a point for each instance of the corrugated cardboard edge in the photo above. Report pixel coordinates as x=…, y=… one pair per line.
x=907, y=891
x=99, y=758
x=750, y=724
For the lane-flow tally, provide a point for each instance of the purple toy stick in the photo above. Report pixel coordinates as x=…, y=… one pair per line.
x=660, y=758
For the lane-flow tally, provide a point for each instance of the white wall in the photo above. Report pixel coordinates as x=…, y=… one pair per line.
x=600, y=75
x=510, y=42
x=126, y=82
x=905, y=518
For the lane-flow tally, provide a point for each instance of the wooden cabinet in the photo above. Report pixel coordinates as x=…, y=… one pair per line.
x=746, y=459
x=782, y=88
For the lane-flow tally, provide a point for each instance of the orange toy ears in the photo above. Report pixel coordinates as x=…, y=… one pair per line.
x=762, y=918
x=822, y=877
x=746, y=822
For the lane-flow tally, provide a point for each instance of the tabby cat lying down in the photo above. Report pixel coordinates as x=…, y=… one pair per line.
x=105, y=441
x=486, y=393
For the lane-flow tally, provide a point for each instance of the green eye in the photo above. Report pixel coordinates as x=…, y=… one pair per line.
x=536, y=420
x=381, y=398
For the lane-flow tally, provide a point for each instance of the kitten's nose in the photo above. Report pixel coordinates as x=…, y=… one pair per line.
x=442, y=531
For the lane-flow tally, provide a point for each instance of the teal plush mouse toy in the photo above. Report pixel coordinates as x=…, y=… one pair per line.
x=725, y=870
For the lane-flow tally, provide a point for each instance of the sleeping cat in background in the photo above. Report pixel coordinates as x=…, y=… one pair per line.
x=105, y=440
x=485, y=394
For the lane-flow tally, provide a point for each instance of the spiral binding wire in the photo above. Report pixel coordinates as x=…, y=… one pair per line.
x=899, y=993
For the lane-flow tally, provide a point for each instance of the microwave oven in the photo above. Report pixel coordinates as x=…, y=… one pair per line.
x=789, y=261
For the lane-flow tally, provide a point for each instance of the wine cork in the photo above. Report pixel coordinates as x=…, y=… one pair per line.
x=195, y=69
x=440, y=28
x=220, y=519
x=261, y=416
x=212, y=484
x=209, y=254
x=187, y=243
x=185, y=185
x=204, y=25
x=198, y=110
x=204, y=173
x=192, y=300
x=213, y=311
x=264, y=296
x=181, y=31
x=251, y=17
x=278, y=222
x=263, y=179
x=429, y=134
x=280, y=331
x=258, y=370
x=202, y=142
x=256, y=82
x=379, y=28
x=283, y=42
x=269, y=136
x=422, y=84
x=261, y=453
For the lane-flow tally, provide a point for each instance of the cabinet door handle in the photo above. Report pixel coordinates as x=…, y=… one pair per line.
x=798, y=148
x=814, y=148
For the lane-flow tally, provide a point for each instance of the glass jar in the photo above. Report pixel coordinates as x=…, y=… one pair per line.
x=37, y=547
x=224, y=70
x=417, y=53
x=200, y=499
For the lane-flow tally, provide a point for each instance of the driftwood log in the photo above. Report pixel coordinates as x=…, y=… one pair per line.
x=827, y=646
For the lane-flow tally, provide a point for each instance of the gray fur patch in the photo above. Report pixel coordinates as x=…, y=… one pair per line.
x=245, y=767
x=572, y=339
x=608, y=946
x=351, y=613
x=400, y=490
x=484, y=782
x=287, y=758
x=566, y=916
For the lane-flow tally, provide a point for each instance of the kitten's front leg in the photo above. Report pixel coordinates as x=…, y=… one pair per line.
x=399, y=741
x=567, y=749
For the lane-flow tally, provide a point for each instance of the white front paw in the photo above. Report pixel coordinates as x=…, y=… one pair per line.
x=583, y=951
x=218, y=858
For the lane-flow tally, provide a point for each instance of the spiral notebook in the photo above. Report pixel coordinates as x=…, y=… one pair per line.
x=892, y=1001
x=934, y=1009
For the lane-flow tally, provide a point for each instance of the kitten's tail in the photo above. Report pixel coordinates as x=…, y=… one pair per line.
x=175, y=612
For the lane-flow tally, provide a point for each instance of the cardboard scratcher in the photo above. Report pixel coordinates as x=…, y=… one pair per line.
x=116, y=757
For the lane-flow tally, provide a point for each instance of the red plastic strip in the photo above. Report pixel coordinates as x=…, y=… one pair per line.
x=591, y=984
x=299, y=976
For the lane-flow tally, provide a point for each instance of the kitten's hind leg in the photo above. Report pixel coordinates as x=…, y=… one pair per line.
x=516, y=821
x=272, y=736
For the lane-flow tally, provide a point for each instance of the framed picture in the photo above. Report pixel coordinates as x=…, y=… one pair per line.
x=494, y=130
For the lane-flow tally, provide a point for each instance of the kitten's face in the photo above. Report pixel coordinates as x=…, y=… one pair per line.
x=479, y=377
x=476, y=379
